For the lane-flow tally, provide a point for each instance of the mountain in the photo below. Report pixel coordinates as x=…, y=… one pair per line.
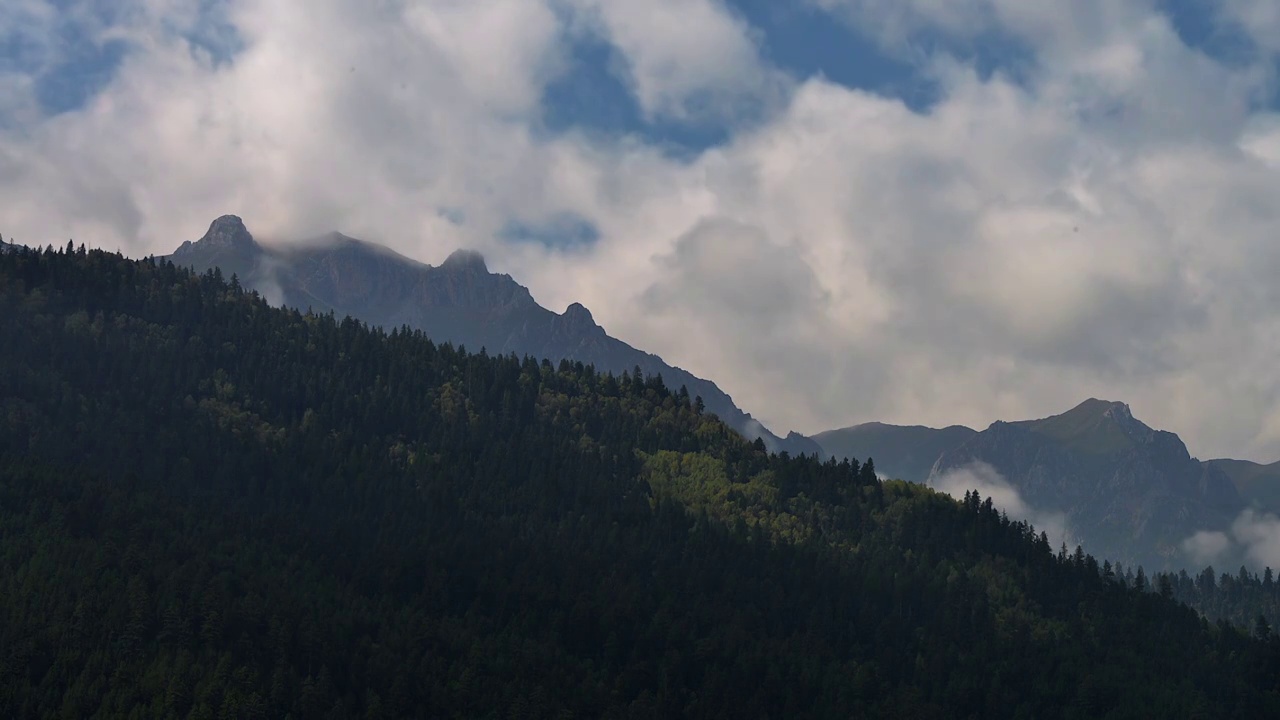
x=1258, y=485
x=459, y=301
x=1128, y=492
x=212, y=507
x=906, y=452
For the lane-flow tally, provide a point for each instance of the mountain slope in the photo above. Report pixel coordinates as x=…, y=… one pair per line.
x=460, y=302
x=1129, y=492
x=215, y=508
x=1258, y=485
x=907, y=452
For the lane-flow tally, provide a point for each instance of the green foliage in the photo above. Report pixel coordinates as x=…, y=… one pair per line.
x=213, y=508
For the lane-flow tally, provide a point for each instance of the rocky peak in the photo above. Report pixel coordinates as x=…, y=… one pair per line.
x=1097, y=426
x=1127, y=491
x=577, y=320
x=578, y=313
x=1120, y=414
x=228, y=232
x=464, y=260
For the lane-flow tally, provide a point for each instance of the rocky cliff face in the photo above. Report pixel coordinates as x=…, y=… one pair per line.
x=459, y=301
x=1129, y=492
x=227, y=245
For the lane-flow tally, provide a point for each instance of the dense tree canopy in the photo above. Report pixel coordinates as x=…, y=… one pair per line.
x=214, y=508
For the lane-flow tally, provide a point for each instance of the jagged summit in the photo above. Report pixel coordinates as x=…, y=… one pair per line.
x=227, y=245
x=463, y=259
x=577, y=322
x=1101, y=408
x=227, y=231
x=578, y=313
x=1096, y=425
x=1126, y=491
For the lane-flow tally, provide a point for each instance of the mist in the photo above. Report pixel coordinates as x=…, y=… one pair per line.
x=1253, y=539
x=988, y=482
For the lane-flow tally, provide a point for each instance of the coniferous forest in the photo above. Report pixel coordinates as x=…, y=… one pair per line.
x=212, y=508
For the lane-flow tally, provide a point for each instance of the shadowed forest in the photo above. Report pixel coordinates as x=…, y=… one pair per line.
x=212, y=508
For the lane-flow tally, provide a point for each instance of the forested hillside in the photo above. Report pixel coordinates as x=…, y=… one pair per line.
x=213, y=508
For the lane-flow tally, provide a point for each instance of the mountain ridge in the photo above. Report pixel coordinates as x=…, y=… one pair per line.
x=1257, y=483
x=906, y=452
x=458, y=301
x=1127, y=491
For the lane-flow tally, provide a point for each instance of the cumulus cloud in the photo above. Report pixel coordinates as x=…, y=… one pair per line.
x=723, y=271
x=686, y=59
x=989, y=483
x=1096, y=220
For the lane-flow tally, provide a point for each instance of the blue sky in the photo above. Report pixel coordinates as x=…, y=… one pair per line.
x=840, y=210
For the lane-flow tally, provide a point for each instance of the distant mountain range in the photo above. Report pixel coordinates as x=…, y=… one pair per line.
x=903, y=452
x=1258, y=485
x=459, y=301
x=1127, y=492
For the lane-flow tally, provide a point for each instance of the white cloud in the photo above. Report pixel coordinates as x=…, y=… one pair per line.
x=686, y=59
x=1102, y=226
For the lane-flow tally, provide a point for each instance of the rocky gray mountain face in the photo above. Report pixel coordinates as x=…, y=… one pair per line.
x=1129, y=492
x=459, y=301
x=904, y=452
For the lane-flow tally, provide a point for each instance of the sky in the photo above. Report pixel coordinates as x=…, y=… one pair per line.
x=911, y=211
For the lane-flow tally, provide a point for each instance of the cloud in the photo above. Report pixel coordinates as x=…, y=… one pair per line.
x=1096, y=217
x=1206, y=547
x=727, y=290
x=1254, y=539
x=1259, y=18
x=989, y=483
x=687, y=60
x=1259, y=534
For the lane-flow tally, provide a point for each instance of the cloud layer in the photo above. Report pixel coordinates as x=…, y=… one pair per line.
x=1092, y=213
